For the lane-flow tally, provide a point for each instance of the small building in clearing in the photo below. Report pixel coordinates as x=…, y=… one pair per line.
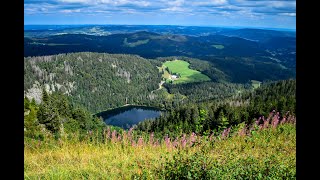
x=174, y=77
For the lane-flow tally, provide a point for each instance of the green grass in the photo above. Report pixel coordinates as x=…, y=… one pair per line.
x=218, y=46
x=187, y=75
x=265, y=154
x=255, y=84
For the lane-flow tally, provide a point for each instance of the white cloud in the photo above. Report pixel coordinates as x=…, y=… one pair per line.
x=228, y=9
x=175, y=3
x=210, y=3
x=76, y=1
x=70, y=10
x=288, y=14
x=174, y=9
x=109, y=2
x=281, y=4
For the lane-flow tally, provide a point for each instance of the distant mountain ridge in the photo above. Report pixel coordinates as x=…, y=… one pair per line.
x=243, y=54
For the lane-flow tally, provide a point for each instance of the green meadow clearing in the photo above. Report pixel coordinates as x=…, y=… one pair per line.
x=187, y=75
x=218, y=46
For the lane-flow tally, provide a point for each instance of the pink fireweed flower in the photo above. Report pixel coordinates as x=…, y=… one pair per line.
x=114, y=136
x=183, y=141
x=192, y=138
x=151, y=138
x=283, y=120
x=140, y=141
x=108, y=133
x=225, y=133
x=130, y=134
x=270, y=115
x=175, y=143
x=124, y=135
x=242, y=131
x=275, y=121
x=156, y=143
x=211, y=136
x=261, y=127
x=130, y=131
x=133, y=143
x=291, y=119
x=266, y=123
x=167, y=141
x=258, y=121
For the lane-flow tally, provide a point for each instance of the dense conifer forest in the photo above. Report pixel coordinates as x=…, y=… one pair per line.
x=99, y=81
x=213, y=116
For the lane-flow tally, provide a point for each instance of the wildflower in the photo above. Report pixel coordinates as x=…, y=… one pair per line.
x=124, y=135
x=225, y=133
x=242, y=132
x=192, y=138
x=151, y=138
x=114, y=136
x=258, y=121
x=211, y=136
x=130, y=134
x=183, y=141
x=175, y=143
x=108, y=132
x=266, y=123
x=167, y=141
x=275, y=121
x=140, y=141
x=156, y=143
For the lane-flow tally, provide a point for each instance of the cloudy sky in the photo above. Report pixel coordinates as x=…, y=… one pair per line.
x=246, y=13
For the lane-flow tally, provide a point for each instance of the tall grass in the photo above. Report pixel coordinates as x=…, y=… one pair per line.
x=265, y=149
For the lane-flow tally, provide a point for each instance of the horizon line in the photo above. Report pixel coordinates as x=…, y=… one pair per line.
x=223, y=26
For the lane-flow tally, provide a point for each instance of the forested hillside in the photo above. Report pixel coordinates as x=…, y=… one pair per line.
x=211, y=116
x=95, y=81
x=98, y=81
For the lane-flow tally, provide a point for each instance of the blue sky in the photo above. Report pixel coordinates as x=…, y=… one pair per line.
x=245, y=13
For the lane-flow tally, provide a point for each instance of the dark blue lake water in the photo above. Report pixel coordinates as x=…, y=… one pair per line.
x=128, y=116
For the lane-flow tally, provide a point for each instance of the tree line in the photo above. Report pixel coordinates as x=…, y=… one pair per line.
x=208, y=117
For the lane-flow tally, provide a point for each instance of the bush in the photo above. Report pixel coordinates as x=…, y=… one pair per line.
x=182, y=166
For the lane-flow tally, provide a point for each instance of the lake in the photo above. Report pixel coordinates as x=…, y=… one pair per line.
x=128, y=116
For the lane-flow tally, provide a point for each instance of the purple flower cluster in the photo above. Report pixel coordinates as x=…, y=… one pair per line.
x=273, y=120
x=225, y=133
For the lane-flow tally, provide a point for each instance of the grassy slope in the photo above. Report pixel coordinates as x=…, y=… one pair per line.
x=267, y=153
x=187, y=75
